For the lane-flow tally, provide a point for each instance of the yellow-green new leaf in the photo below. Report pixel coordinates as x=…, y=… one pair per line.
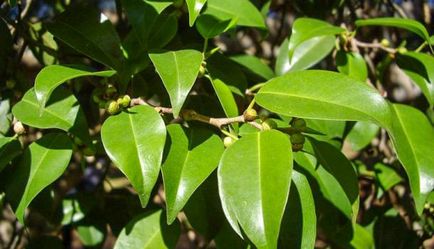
x=254, y=177
x=52, y=76
x=134, y=141
x=178, y=70
x=194, y=154
x=42, y=163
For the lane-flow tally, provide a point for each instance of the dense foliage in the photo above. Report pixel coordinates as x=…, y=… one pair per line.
x=215, y=124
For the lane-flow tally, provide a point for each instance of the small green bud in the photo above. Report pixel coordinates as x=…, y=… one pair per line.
x=385, y=43
x=228, y=141
x=250, y=115
x=402, y=50
x=297, y=138
x=113, y=107
x=202, y=69
x=124, y=101
x=19, y=128
x=269, y=124
x=298, y=124
x=297, y=147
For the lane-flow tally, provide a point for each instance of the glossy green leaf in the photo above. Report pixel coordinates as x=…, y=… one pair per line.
x=82, y=30
x=52, y=76
x=164, y=29
x=134, y=141
x=178, y=70
x=387, y=176
x=148, y=231
x=243, y=10
x=254, y=65
x=305, y=29
x=324, y=95
x=42, y=163
x=352, y=64
x=298, y=228
x=222, y=68
x=408, y=24
x=362, y=134
x=210, y=26
x=194, y=8
x=9, y=149
x=254, y=178
x=159, y=5
x=194, y=154
x=420, y=68
x=62, y=112
x=226, y=98
x=362, y=238
x=91, y=235
x=413, y=139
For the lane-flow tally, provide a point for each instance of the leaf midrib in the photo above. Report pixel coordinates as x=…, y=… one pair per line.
x=53, y=114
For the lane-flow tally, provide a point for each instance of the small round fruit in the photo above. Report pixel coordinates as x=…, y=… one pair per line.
x=269, y=124
x=402, y=50
x=297, y=147
x=385, y=43
x=299, y=124
x=250, y=115
x=297, y=138
x=19, y=128
x=228, y=141
x=113, y=107
x=124, y=101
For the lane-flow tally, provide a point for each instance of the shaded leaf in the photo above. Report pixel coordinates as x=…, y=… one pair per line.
x=362, y=134
x=386, y=176
x=254, y=65
x=9, y=149
x=222, y=68
x=243, y=10
x=352, y=64
x=209, y=26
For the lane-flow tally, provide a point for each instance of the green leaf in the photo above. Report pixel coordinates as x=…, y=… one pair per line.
x=324, y=95
x=305, y=29
x=52, y=76
x=254, y=178
x=9, y=149
x=413, y=139
x=387, y=176
x=61, y=112
x=178, y=70
x=420, y=68
x=80, y=28
x=362, y=238
x=42, y=163
x=134, y=141
x=148, y=231
x=226, y=99
x=159, y=5
x=222, y=68
x=407, y=24
x=91, y=235
x=163, y=30
x=352, y=64
x=298, y=228
x=194, y=8
x=194, y=154
x=362, y=134
x=243, y=10
x=254, y=65
x=209, y=26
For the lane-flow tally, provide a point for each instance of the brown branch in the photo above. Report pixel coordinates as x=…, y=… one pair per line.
x=374, y=45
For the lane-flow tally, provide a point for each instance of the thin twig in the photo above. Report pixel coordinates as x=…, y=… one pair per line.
x=374, y=45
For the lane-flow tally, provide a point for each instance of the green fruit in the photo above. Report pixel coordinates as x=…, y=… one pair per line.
x=113, y=107
x=124, y=101
x=385, y=43
x=298, y=124
x=297, y=138
x=250, y=115
x=402, y=50
x=228, y=141
x=297, y=147
x=269, y=124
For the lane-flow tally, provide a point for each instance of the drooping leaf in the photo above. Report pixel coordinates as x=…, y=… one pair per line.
x=148, y=231
x=62, y=111
x=408, y=24
x=362, y=134
x=210, y=26
x=298, y=228
x=52, y=76
x=9, y=149
x=324, y=95
x=178, y=70
x=420, y=68
x=254, y=65
x=243, y=10
x=82, y=30
x=254, y=178
x=42, y=163
x=352, y=64
x=194, y=8
x=134, y=141
x=194, y=154
x=413, y=139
